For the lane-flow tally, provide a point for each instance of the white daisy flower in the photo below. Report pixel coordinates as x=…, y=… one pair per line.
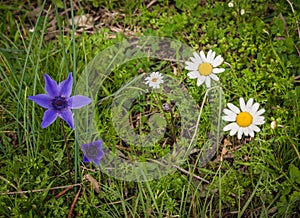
x=204, y=68
x=230, y=4
x=242, y=12
x=154, y=80
x=244, y=121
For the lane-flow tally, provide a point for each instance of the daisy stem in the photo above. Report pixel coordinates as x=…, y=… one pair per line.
x=292, y=143
x=173, y=126
x=67, y=146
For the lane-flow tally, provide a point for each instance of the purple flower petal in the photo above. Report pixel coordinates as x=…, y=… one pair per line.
x=50, y=116
x=78, y=101
x=65, y=87
x=85, y=159
x=84, y=147
x=67, y=116
x=44, y=100
x=51, y=86
x=93, y=152
x=101, y=153
x=96, y=161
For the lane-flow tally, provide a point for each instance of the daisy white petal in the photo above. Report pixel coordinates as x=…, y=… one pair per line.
x=194, y=60
x=193, y=75
x=230, y=126
x=229, y=112
x=260, y=112
x=234, y=108
x=251, y=133
x=234, y=130
x=249, y=104
x=202, y=55
x=259, y=122
x=214, y=77
x=229, y=118
x=198, y=58
x=218, y=70
x=211, y=56
x=242, y=104
x=200, y=80
x=190, y=66
x=255, y=128
x=240, y=133
x=207, y=82
x=259, y=119
x=218, y=61
x=254, y=108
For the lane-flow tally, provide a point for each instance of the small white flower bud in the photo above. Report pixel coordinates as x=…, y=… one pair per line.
x=273, y=124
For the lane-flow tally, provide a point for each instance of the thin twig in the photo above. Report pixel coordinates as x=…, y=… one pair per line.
x=190, y=174
x=297, y=24
x=119, y=202
x=291, y=4
x=11, y=184
x=182, y=170
x=70, y=215
x=286, y=29
x=62, y=192
x=40, y=190
x=151, y=3
x=198, y=121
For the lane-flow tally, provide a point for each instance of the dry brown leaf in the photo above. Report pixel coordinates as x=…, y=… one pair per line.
x=93, y=181
x=224, y=151
x=227, y=142
x=84, y=20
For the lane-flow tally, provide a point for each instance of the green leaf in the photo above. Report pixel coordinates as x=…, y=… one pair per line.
x=60, y=4
x=294, y=173
x=297, y=91
x=58, y=156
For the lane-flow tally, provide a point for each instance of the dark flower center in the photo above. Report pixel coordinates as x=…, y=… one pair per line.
x=92, y=151
x=59, y=103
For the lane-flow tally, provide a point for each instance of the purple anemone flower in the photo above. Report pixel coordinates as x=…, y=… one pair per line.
x=58, y=101
x=92, y=152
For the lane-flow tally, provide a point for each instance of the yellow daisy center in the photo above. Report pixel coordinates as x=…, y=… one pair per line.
x=154, y=80
x=244, y=119
x=205, y=69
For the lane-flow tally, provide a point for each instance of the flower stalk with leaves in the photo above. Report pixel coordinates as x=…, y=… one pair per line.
x=58, y=103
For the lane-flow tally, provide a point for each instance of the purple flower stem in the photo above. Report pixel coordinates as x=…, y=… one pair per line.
x=67, y=145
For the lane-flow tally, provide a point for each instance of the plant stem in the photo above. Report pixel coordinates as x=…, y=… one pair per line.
x=173, y=126
x=67, y=146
